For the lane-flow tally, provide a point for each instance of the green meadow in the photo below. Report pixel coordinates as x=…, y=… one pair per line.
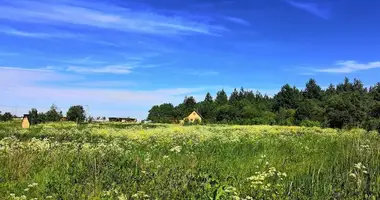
x=152, y=161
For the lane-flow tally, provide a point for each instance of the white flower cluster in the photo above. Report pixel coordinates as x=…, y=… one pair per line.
x=266, y=180
x=176, y=149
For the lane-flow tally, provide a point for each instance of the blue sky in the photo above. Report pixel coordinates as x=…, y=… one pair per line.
x=120, y=57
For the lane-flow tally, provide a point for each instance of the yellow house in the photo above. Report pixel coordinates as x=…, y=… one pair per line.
x=194, y=116
x=25, y=122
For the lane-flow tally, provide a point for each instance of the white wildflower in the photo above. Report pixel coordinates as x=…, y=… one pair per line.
x=176, y=149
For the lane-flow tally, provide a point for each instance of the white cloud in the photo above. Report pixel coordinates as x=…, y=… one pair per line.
x=15, y=32
x=316, y=9
x=105, y=16
x=84, y=61
x=40, y=88
x=237, y=20
x=105, y=84
x=349, y=67
x=204, y=73
x=111, y=69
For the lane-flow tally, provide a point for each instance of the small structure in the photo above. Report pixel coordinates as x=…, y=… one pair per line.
x=194, y=116
x=25, y=121
x=63, y=119
x=122, y=119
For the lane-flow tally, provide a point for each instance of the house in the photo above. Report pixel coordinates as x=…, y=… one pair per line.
x=194, y=116
x=25, y=121
x=122, y=119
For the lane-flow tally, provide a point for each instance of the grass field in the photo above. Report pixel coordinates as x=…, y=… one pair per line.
x=120, y=161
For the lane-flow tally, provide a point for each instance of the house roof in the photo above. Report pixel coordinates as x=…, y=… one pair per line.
x=196, y=112
x=128, y=118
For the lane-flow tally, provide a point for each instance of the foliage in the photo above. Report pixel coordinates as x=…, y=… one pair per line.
x=76, y=114
x=53, y=115
x=346, y=105
x=7, y=116
x=119, y=161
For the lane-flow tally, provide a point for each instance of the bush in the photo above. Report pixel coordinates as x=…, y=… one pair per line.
x=197, y=122
x=76, y=114
x=308, y=123
x=6, y=117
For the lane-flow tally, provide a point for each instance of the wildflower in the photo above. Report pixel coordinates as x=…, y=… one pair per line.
x=12, y=195
x=26, y=189
x=176, y=149
x=166, y=157
x=360, y=166
x=49, y=197
x=352, y=175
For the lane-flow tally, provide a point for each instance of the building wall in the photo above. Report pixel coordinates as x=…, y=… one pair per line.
x=194, y=116
x=25, y=123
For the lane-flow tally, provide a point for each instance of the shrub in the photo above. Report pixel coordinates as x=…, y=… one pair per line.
x=308, y=123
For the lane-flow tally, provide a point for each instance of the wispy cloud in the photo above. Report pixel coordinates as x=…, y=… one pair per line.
x=105, y=16
x=111, y=69
x=319, y=10
x=23, y=69
x=105, y=84
x=237, y=21
x=349, y=67
x=15, y=32
x=84, y=61
x=101, y=99
x=204, y=73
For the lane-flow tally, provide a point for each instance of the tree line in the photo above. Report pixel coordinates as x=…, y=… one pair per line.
x=346, y=105
x=75, y=113
x=7, y=116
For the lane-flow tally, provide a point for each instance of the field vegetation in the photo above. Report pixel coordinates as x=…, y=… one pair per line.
x=157, y=161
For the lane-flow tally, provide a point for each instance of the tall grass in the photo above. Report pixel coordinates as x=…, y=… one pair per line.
x=112, y=161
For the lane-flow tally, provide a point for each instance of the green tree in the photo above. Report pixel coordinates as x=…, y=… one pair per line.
x=234, y=97
x=76, y=114
x=346, y=86
x=310, y=109
x=166, y=113
x=331, y=90
x=33, y=116
x=286, y=117
x=7, y=116
x=207, y=109
x=345, y=110
x=288, y=98
x=53, y=115
x=208, y=98
x=221, y=98
x=312, y=90
x=154, y=114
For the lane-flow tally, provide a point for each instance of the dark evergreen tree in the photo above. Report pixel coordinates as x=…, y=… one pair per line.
x=234, y=97
x=312, y=90
x=208, y=98
x=288, y=98
x=221, y=98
